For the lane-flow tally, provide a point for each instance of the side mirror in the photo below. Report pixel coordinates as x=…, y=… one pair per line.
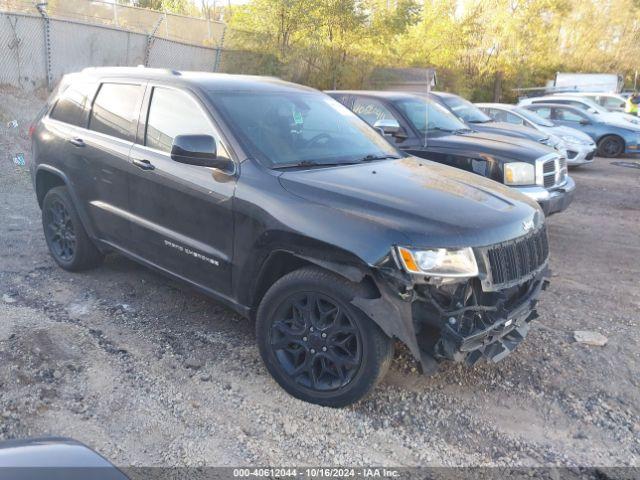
x=390, y=126
x=199, y=150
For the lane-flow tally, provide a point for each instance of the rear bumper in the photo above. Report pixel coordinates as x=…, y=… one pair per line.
x=551, y=201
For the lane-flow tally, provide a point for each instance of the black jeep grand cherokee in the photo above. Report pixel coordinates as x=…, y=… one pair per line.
x=281, y=203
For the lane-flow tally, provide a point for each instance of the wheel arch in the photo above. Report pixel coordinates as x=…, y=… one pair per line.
x=48, y=177
x=280, y=262
x=615, y=135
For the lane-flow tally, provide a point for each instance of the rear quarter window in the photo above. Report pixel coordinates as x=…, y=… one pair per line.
x=115, y=110
x=70, y=107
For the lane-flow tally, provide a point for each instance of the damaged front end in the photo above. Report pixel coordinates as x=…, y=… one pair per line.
x=464, y=319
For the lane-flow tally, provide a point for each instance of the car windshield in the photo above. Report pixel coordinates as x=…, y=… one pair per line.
x=427, y=115
x=300, y=129
x=466, y=110
x=533, y=117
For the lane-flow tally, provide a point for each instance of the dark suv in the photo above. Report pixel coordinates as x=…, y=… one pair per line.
x=281, y=203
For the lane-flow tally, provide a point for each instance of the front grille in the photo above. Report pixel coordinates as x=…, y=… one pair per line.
x=554, y=171
x=549, y=181
x=517, y=259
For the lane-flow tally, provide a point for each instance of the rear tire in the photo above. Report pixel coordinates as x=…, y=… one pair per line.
x=316, y=344
x=610, y=146
x=68, y=242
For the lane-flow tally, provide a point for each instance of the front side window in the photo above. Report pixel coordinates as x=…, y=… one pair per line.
x=613, y=102
x=172, y=113
x=115, y=110
x=427, y=115
x=70, y=107
x=289, y=128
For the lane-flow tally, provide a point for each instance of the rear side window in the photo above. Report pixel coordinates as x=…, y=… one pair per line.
x=70, y=106
x=173, y=113
x=115, y=110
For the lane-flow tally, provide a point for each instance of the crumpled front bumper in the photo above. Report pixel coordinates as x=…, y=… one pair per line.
x=501, y=331
x=435, y=326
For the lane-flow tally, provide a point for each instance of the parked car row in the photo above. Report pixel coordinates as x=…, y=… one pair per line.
x=447, y=129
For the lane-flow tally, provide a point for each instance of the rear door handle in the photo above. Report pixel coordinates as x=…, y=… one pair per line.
x=143, y=164
x=78, y=142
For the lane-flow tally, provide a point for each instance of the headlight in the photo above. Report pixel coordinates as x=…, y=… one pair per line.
x=440, y=262
x=519, y=173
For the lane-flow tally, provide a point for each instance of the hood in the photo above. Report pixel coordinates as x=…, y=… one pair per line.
x=505, y=128
x=494, y=144
x=432, y=205
x=622, y=119
x=562, y=131
x=47, y=458
x=618, y=122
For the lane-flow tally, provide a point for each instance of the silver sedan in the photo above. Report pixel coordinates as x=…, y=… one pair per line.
x=580, y=147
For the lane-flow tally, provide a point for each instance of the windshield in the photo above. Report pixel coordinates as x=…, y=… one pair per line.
x=426, y=115
x=294, y=128
x=533, y=117
x=466, y=110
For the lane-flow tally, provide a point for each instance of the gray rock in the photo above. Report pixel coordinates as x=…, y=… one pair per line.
x=587, y=337
x=193, y=363
x=6, y=298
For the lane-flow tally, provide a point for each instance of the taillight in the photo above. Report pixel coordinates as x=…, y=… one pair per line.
x=32, y=128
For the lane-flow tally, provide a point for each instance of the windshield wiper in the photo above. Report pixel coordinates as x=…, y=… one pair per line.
x=439, y=129
x=372, y=157
x=313, y=163
x=307, y=163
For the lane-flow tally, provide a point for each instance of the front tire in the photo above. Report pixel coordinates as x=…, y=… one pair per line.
x=68, y=242
x=316, y=344
x=610, y=146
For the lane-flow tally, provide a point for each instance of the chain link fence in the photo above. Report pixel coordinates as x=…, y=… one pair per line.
x=37, y=47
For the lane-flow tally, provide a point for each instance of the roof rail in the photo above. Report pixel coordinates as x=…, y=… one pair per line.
x=132, y=69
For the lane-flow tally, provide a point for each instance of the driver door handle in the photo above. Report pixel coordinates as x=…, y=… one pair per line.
x=143, y=163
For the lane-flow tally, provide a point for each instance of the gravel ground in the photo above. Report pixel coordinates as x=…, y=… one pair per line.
x=148, y=372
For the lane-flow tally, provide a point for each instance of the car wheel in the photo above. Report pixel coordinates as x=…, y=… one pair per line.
x=611, y=146
x=315, y=343
x=68, y=242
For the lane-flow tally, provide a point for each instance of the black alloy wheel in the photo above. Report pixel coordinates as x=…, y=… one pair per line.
x=611, y=146
x=68, y=242
x=60, y=232
x=316, y=342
